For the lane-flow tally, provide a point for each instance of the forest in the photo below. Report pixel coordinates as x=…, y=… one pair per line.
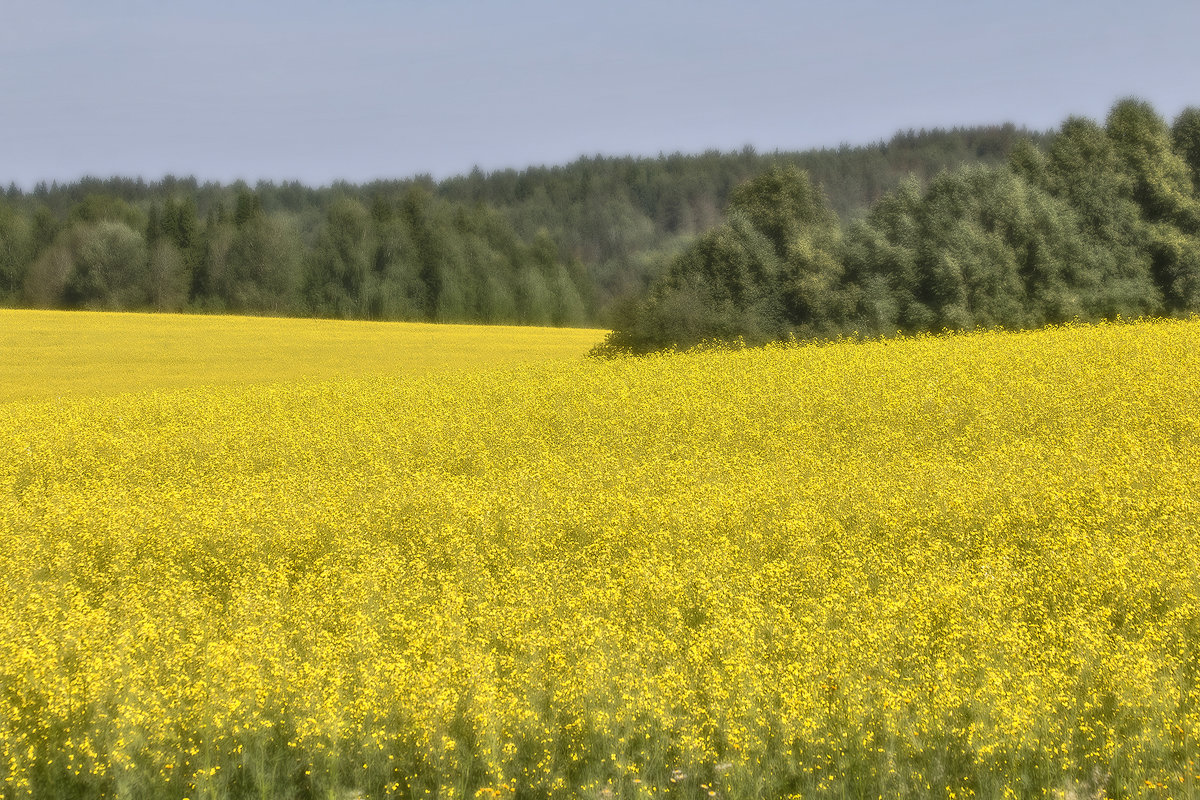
x=578, y=244
x=929, y=231
x=1100, y=222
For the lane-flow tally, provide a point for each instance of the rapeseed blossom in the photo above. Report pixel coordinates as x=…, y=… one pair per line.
x=963, y=566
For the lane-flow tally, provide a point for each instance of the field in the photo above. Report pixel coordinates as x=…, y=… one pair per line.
x=45, y=354
x=937, y=567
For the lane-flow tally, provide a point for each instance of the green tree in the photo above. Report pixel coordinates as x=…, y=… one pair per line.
x=772, y=269
x=429, y=248
x=263, y=271
x=1083, y=168
x=1185, y=139
x=209, y=282
x=1162, y=182
x=247, y=205
x=96, y=207
x=401, y=293
x=562, y=299
x=154, y=225
x=978, y=247
x=16, y=251
x=44, y=228
x=340, y=280
x=785, y=206
x=534, y=297
x=880, y=257
x=110, y=266
x=1163, y=189
x=46, y=281
x=181, y=225
x=168, y=277
x=1175, y=265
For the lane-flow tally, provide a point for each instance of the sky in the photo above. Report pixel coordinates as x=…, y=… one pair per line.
x=359, y=90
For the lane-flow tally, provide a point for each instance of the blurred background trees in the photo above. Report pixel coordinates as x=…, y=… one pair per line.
x=929, y=230
x=1089, y=222
x=545, y=245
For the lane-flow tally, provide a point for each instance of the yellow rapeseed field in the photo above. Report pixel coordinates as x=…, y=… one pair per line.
x=46, y=354
x=963, y=566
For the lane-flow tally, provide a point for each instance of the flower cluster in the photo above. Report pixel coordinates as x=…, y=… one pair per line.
x=955, y=566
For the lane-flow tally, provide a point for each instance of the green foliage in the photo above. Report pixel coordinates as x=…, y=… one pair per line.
x=46, y=280
x=1103, y=222
x=980, y=247
x=1185, y=139
x=168, y=278
x=1162, y=183
x=208, y=278
x=247, y=206
x=340, y=279
x=783, y=204
x=928, y=230
x=1175, y=265
x=399, y=292
x=558, y=245
x=16, y=246
x=102, y=207
x=770, y=271
x=109, y=266
x=262, y=270
x=433, y=253
x=1084, y=169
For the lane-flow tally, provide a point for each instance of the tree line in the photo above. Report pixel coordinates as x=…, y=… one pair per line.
x=411, y=257
x=546, y=245
x=1100, y=221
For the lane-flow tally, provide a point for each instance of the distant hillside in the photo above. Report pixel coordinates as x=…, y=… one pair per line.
x=546, y=245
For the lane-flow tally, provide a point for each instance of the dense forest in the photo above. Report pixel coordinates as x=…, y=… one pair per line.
x=931, y=230
x=1100, y=221
x=567, y=245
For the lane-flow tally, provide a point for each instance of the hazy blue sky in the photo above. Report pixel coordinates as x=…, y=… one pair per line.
x=359, y=89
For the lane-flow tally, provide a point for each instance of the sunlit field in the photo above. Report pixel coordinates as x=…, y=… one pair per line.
x=78, y=353
x=939, y=567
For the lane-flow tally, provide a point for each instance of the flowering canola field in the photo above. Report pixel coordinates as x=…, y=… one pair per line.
x=939, y=567
x=47, y=354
